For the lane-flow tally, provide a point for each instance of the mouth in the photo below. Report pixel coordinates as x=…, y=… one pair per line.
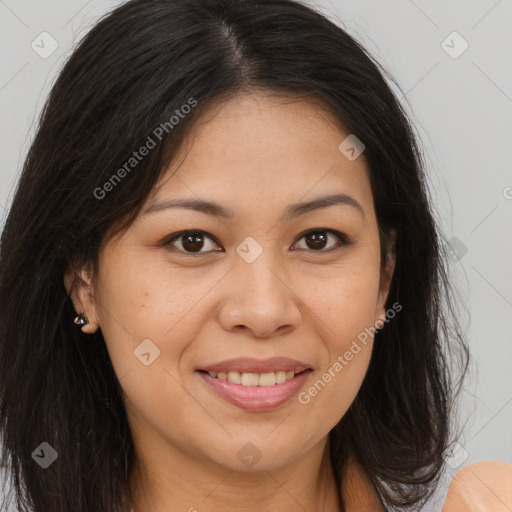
x=252, y=379
x=252, y=385
x=243, y=365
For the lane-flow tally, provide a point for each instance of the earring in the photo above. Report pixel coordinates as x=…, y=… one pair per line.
x=81, y=319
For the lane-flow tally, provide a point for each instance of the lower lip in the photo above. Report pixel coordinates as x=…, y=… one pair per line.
x=256, y=398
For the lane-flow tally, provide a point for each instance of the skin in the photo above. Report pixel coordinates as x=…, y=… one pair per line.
x=254, y=150
x=481, y=487
x=202, y=308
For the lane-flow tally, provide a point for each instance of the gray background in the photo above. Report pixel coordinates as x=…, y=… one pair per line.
x=461, y=106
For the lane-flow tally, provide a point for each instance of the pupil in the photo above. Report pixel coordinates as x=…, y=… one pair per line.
x=193, y=242
x=318, y=240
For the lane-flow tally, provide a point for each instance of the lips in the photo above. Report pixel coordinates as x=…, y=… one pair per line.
x=251, y=365
x=256, y=398
x=256, y=385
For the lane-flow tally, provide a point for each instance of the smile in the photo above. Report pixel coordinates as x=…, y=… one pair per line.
x=255, y=392
x=254, y=379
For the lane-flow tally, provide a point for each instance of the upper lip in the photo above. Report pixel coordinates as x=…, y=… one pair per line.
x=251, y=365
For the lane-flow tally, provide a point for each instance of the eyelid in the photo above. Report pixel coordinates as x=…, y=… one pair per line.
x=343, y=240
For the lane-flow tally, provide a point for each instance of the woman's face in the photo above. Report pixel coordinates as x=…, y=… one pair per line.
x=251, y=285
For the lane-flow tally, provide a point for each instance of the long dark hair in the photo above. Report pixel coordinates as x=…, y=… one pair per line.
x=136, y=68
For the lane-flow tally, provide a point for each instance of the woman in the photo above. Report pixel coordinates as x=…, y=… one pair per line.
x=222, y=282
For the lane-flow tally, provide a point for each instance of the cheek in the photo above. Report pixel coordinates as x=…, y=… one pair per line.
x=142, y=300
x=345, y=301
x=345, y=322
x=344, y=308
x=147, y=328
x=140, y=293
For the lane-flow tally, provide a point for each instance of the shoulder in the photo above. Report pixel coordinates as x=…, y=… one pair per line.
x=481, y=486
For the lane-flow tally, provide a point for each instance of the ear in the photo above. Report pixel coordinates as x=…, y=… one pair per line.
x=387, y=271
x=79, y=286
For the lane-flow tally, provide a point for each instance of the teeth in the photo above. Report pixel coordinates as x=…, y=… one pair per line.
x=267, y=379
x=235, y=377
x=281, y=377
x=254, y=379
x=250, y=379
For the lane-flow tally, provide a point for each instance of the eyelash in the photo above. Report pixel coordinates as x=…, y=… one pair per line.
x=343, y=240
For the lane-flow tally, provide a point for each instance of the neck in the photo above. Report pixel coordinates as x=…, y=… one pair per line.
x=308, y=483
x=358, y=491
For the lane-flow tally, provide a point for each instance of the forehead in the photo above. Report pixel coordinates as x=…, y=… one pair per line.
x=262, y=149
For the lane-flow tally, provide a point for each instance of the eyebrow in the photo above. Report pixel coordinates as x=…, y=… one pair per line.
x=292, y=211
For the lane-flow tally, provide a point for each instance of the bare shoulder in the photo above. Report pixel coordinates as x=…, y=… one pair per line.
x=481, y=486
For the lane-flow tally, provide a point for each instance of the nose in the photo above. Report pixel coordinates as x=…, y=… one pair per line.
x=258, y=298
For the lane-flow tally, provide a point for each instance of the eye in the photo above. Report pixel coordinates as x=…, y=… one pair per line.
x=317, y=239
x=193, y=241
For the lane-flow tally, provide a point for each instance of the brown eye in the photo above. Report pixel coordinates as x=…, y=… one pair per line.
x=190, y=242
x=318, y=239
x=198, y=242
x=193, y=242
